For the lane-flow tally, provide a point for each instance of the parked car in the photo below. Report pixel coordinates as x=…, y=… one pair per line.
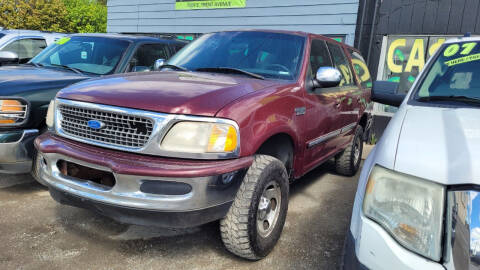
x=216, y=135
x=26, y=90
x=416, y=205
x=19, y=46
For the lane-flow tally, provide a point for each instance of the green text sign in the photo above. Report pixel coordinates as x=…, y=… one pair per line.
x=209, y=4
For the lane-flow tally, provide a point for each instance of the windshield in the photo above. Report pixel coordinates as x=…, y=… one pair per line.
x=95, y=55
x=1, y=35
x=271, y=55
x=455, y=73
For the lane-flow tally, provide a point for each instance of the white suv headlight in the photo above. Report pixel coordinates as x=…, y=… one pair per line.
x=409, y=208
x=201, y=137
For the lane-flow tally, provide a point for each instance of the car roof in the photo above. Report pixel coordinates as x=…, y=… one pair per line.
x=297, y=33
x=133, y=38
x=28, y=32
x=462, y=39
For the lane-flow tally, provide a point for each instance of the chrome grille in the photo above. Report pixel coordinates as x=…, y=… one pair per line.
x=119, y=129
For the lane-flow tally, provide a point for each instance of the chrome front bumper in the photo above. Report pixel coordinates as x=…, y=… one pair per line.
x=16, y=149
x=128, y=202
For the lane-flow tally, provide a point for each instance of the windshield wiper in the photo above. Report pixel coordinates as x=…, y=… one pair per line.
x=464, y=99
x=230, y=70
x=34, y=64
x=68, y=67
x=173, y=67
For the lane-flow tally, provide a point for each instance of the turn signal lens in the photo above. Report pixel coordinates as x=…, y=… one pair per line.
x=50, y=114
x=223, y=138
x=12, y=111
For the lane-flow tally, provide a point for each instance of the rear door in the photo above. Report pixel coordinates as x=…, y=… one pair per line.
x=322, y=111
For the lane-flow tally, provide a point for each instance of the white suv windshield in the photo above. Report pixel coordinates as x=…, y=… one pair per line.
x=454, y=76
x=95, y=55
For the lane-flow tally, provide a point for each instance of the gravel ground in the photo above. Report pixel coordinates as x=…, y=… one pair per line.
x=38, y=233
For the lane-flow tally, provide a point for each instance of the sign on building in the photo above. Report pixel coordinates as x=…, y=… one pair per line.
x=401, y=60
x=209, y=4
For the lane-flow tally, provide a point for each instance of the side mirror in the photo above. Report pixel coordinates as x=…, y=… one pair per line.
x=8, y=58
x=386, y=92
x=327, y=77
x=158, y=64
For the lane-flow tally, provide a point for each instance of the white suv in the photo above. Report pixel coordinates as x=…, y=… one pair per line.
x=19, y=46
x=417, y=203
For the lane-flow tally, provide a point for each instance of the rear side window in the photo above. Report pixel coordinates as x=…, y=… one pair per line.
x=146, y=55
x=361, y=69
x=319, y=56
x=341, y=63
x=26, y=48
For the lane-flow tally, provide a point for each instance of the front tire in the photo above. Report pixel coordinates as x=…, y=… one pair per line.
x=255, y=220
x=348, y=162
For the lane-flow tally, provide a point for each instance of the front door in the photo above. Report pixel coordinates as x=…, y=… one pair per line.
x=323, y=107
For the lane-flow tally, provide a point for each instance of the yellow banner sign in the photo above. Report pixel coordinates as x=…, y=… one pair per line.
x=209, y=4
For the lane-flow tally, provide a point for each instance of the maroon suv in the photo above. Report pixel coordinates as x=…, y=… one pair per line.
x=217, y=134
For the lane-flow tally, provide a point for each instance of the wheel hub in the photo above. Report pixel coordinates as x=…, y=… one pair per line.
x=268, y=209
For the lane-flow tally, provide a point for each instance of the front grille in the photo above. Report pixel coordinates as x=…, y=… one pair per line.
x=118, y=130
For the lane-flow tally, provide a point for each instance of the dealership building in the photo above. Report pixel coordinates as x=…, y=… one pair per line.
x=396, y=37
x=189, y=18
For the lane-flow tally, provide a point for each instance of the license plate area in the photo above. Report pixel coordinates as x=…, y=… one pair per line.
x=80, y=173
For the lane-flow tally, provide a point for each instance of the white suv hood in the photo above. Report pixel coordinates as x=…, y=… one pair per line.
x=440, y=144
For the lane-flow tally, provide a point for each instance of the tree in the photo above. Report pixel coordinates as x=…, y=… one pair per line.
x=48, y=15
x=85, y=16
x=74, y=16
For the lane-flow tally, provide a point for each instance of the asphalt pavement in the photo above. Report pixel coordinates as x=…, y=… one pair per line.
x=38, y=233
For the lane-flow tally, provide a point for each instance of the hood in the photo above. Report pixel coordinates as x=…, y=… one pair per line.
x=19, y=79
x=440, y=144
x=168, y=92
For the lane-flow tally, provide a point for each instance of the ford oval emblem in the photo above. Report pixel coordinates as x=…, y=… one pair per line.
x=95, y=124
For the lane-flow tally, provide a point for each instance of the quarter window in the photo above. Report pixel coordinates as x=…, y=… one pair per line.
x=361, y=69
x=341, y=63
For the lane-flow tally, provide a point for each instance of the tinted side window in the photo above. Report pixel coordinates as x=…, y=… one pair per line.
x=26, y=48
x=341, y=63
x=361, y=69
x=146, y=55
x=319, y=56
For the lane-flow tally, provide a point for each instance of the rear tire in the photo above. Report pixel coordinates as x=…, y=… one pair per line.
x=348, y=162
x=255, y=220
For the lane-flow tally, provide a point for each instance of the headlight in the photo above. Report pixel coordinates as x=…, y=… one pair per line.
x=50, y=114
x=201, y=137
x=12, y=111
x=409, y=208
